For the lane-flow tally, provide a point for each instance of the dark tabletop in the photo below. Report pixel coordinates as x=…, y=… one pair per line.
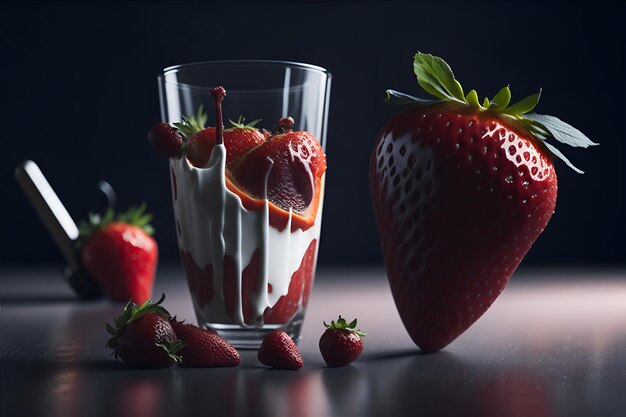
x=554, y=344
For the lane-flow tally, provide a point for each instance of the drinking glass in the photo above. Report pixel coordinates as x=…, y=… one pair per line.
x=246, y=277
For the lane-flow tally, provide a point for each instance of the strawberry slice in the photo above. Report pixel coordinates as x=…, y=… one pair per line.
x=286, y=169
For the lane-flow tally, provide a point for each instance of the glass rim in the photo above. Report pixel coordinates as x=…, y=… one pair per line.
x=278, y=63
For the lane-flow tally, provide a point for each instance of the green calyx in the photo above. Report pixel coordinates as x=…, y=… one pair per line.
x=132, y=312
x=241, y=123
x=435, y=76
x=135, y=216
x=192, y=124
x=342, y=324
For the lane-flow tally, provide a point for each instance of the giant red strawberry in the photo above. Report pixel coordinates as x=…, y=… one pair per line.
x=118, y=252
x=461, y=190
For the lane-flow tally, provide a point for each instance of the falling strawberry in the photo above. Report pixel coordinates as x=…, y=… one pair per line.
x=204, y=348
x=118, y=252
x=460, y=192
x=278, y=350
x=341, y=343
x=142, y=336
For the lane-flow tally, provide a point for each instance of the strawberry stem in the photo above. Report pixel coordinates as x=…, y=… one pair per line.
x=241, y=123
x=342, y=324
x=192, y=124
x=135, y=216
x=218, y=94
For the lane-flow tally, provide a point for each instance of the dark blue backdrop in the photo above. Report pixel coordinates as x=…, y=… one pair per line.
x=78, y=92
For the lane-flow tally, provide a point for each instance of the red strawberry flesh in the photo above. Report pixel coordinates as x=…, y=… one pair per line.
x=286, y=169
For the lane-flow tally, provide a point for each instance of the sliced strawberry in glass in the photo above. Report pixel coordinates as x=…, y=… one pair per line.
x=286, y=169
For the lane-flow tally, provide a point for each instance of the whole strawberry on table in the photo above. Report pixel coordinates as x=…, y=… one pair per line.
x=147, y=336
x=461, y=189
x=341, y=343
x=119, y=253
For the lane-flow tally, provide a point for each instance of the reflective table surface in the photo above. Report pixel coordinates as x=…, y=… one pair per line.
x=553, y=344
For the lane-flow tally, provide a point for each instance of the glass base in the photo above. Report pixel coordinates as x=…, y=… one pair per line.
x=252, y=337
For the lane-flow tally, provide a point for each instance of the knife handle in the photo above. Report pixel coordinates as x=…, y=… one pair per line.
x=51, y=211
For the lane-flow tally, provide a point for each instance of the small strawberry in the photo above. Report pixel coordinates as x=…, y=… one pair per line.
x=142, y=336
x=278, y=350
x=118, y=252
x=341, y=343
x=204, y=348
x=240, y=138
x=165, y=139
x=199, y=142
x=461, y=190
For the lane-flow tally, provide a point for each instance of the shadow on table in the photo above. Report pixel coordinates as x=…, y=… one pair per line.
x=26, y=299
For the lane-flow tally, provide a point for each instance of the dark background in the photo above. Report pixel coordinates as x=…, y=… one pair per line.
x=78, y=93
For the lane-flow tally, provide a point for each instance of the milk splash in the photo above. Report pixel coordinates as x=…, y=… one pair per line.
x=212, y=223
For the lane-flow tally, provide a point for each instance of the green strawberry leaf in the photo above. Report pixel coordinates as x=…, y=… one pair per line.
x=472, y=98
x=436, y=77
x=502, y=98
x=135, y=216
x=562, y=157
x=342, y=324
x=394, y=97
x=192, y=124
x=561, y=131
x=172, y=347
x=523, y=106
x=241, y=123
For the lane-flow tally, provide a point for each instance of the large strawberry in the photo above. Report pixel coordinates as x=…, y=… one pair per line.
x=460, y=192
x=118, y=252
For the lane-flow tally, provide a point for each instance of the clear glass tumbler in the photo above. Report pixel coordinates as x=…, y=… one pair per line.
x=245, y=276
